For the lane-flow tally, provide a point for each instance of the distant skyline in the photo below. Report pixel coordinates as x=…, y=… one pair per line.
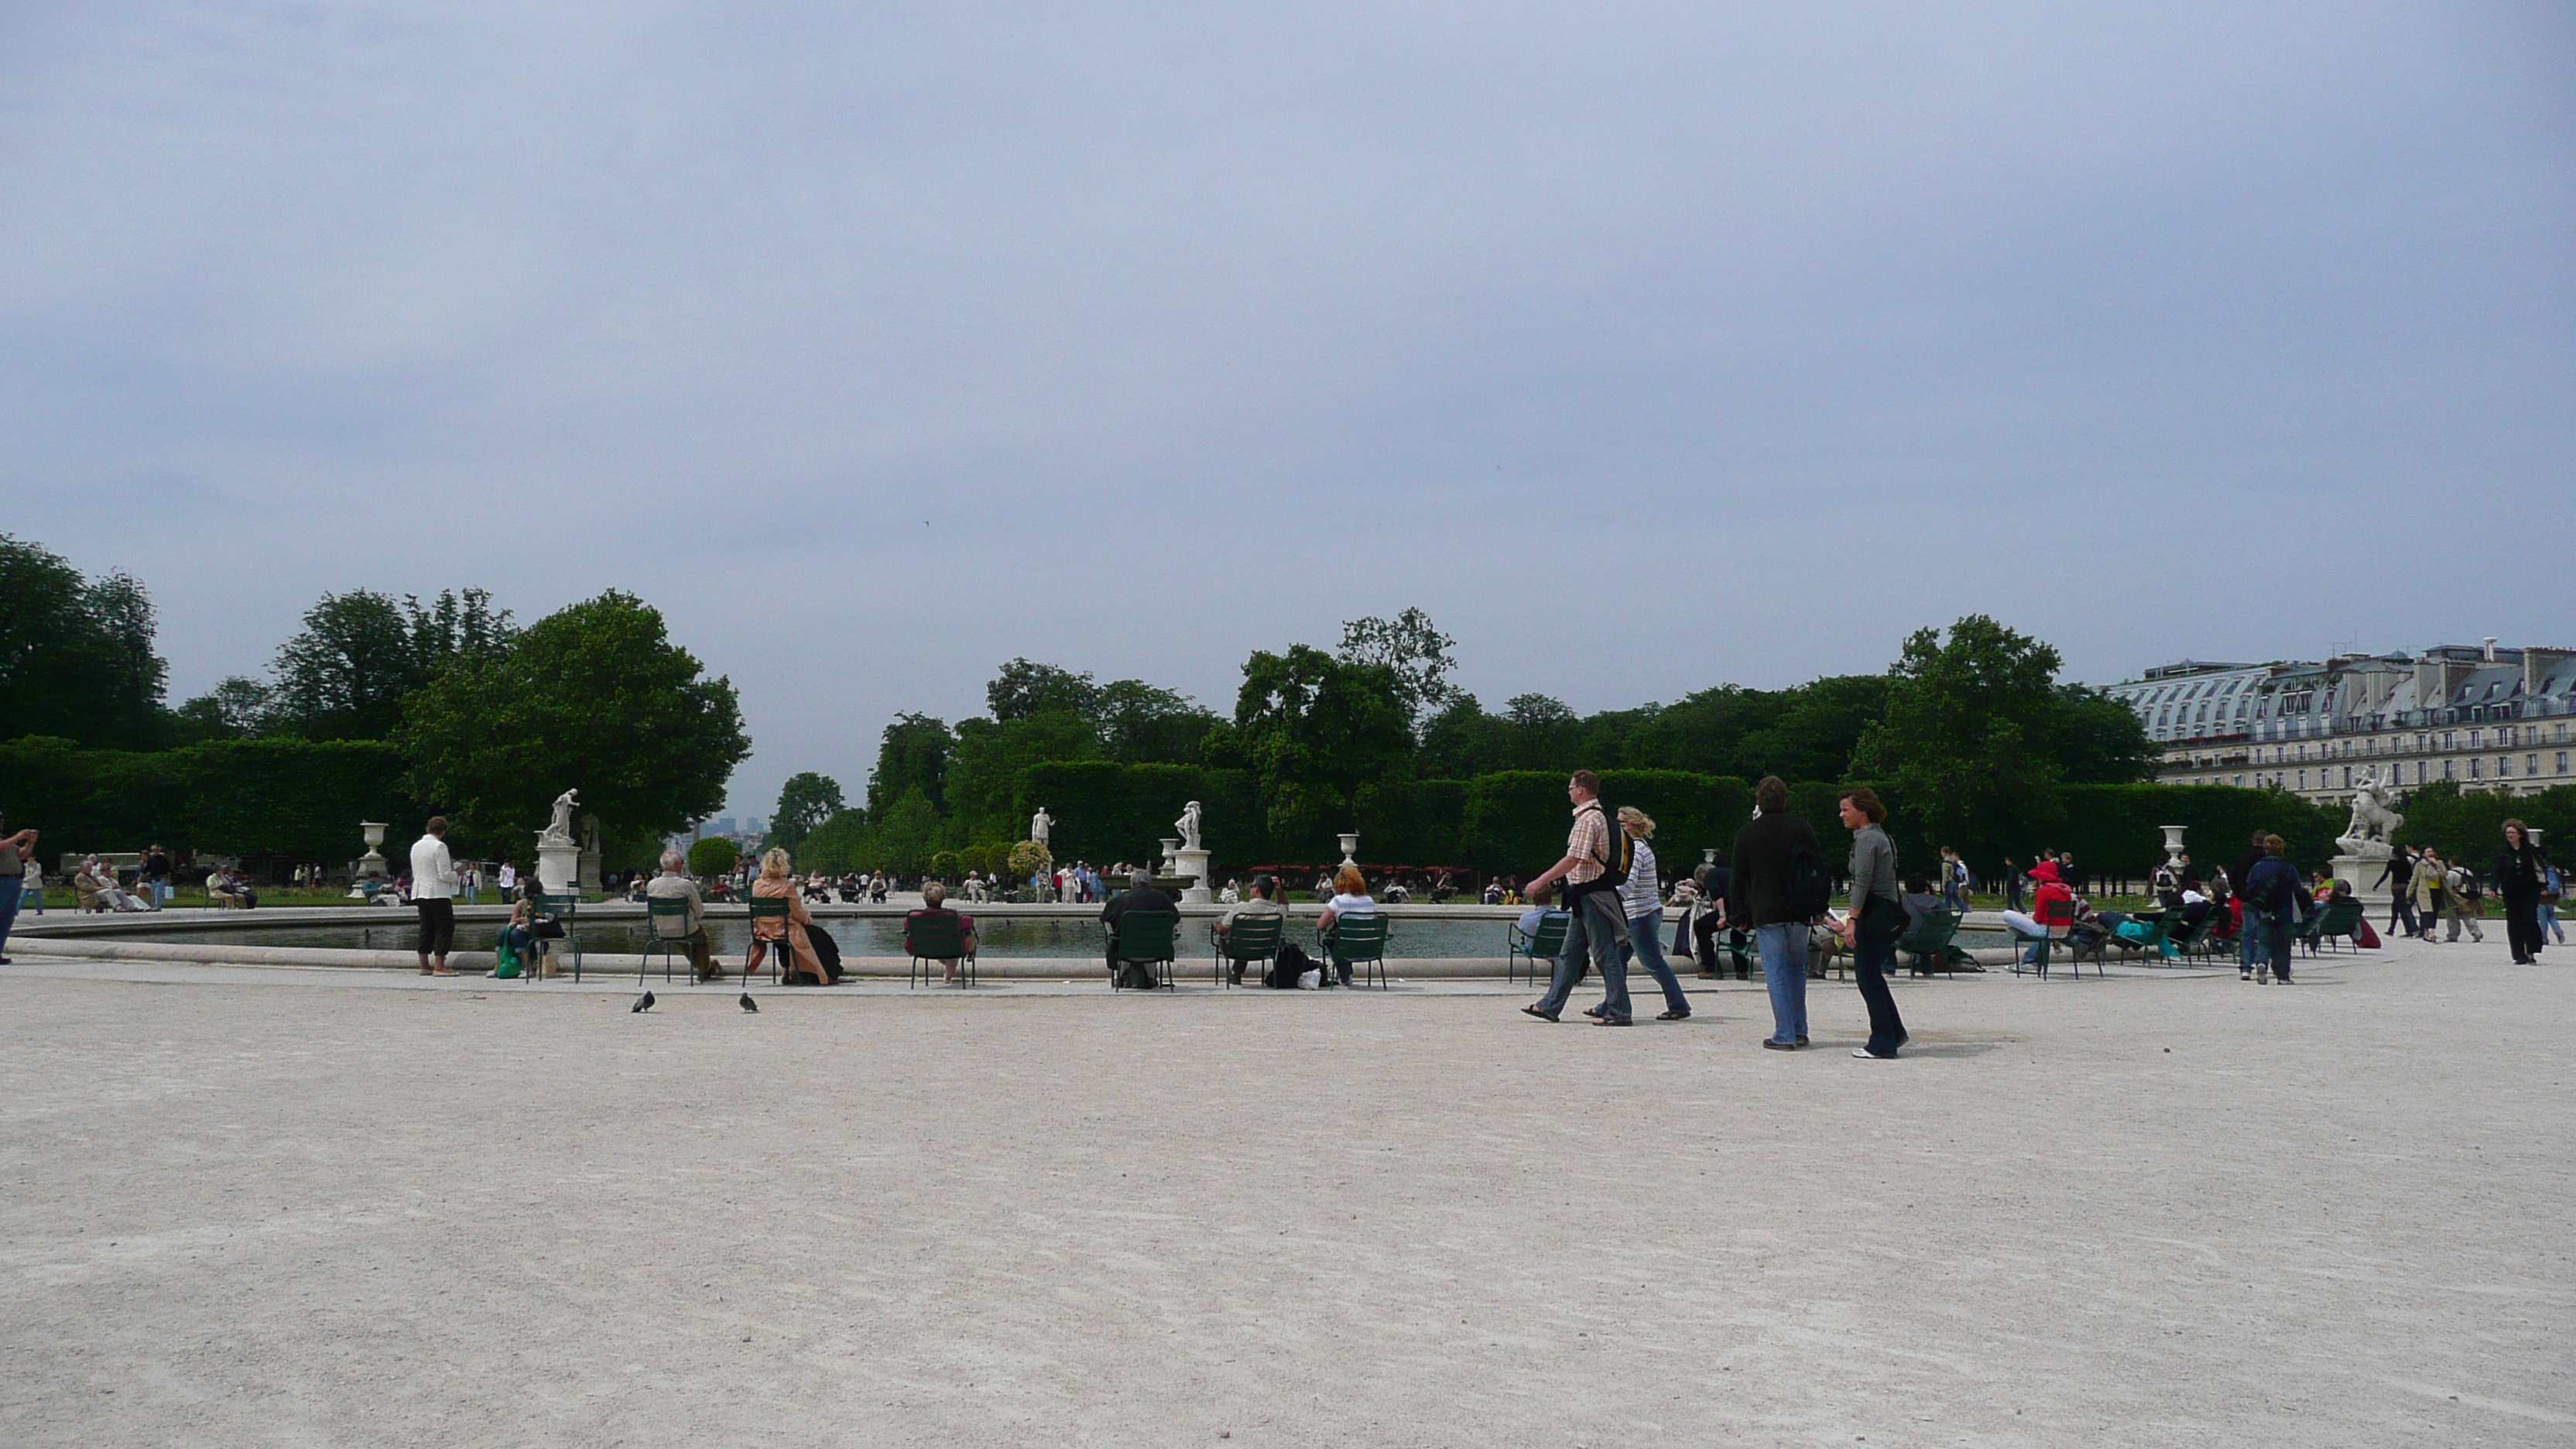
x=1646, y=348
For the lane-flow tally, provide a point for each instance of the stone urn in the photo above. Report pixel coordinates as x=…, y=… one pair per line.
x=2173, y=842
x=373, y=862
x=1350, y=847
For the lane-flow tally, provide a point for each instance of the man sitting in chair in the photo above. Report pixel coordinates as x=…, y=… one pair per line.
x=1140, y=895
x=674, y=884
x=934, y=906
x=1264, y=902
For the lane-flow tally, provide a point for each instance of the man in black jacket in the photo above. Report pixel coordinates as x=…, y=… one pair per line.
x=1140, y=895
x=1759, y=897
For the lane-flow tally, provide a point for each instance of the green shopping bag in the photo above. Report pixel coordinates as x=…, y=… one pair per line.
x=505, y=963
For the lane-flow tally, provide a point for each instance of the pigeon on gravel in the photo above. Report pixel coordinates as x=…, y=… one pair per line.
x=642, y=1003
x=750, y=1005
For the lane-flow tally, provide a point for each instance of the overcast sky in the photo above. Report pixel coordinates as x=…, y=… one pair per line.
x=1645, y=347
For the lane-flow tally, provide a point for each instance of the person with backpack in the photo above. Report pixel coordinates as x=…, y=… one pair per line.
x=2464, y=903
x=1594, y=868
x=2273, y=908
x=1778, y=888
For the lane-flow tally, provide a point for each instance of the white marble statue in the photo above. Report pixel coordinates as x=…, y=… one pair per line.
x=2373, y=825
x=559, y=830
x=1188, y=825
x=1040, y=824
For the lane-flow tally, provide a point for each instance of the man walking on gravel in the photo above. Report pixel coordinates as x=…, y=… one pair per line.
x=1762, y=894
x=1598, y=926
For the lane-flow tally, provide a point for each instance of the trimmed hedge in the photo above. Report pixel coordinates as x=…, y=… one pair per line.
x=1105, y=811
x=286, y=800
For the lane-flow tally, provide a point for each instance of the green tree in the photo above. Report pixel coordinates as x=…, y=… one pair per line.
x=594, y=697
x=1541, y=733
x=716, y=855
x=2098, y=740
x=76, y=655
x=360, y=654
x=1462, y=741
x=1143, y=725
x=804, y=802
x=1414, y=652
x=912, y=757
x=237, y=708
x=1964, y=739
x=1024, y=689
x=1312, y=729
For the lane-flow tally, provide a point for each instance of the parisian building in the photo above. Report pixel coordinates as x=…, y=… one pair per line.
x=2488, y=718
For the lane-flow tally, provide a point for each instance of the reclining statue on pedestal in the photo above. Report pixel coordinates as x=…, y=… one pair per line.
x=2374, y=825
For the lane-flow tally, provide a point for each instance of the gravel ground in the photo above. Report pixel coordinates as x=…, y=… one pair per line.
x=254, y=1207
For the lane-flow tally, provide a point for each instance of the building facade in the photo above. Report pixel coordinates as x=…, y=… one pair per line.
x=2488, y=718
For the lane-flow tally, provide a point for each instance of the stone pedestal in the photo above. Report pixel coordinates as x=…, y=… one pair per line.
x=1350, y=847
x=1194, y=864
x=558, y=867
x=2173, y=843
x=588, y=872
x=2363, y=871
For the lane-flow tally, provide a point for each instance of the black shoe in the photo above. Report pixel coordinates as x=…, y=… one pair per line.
x=1610, y=1021
x=1769, y=1045
x=1532, y=1010
x=1802, y=1038
x=1592, y=1011
x=1673, y=1016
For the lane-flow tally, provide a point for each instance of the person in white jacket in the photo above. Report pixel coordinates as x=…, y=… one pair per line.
x=433, y=894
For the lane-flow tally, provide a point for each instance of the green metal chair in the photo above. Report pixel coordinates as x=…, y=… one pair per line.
x=2056, y=929
x=931, y=936
x=782, y=947
x=563, y=908
x=2152, y=944
x=1360, y=940
x=667, y=932
x=2338, y=918
x=1151, y=939
x=1250, y=940
x=1929, y=943
x=1546, y=945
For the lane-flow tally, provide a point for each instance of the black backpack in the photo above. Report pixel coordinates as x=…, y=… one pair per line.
x=1811, y=887
x=1286, y=967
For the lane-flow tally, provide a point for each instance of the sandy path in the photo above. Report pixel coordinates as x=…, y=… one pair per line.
x=250, y=1208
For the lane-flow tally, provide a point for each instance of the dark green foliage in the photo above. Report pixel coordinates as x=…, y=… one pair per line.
x=990, y=759
x=76, y=658
x=1024, y=689
x=2468, y=825
x=2117, y=829
x=593, y=697
x=837, y=844
x=1313, y=729
x=1107, y=812
x=716, y=855
x=804, y=802
x=1140, y=724
x=1414, y=653
x=346, y=674
x=912, y=756
x=287, y=801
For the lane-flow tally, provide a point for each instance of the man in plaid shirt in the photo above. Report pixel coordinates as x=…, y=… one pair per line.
x=1598, y=925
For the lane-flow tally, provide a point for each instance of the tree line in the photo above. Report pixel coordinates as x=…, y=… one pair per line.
x=1969, y=733
x=377, y=707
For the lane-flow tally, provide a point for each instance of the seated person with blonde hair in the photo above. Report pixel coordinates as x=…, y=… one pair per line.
x=795, y=933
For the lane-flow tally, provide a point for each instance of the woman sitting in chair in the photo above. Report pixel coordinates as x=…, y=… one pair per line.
x=776, y=884
x=1350, y=898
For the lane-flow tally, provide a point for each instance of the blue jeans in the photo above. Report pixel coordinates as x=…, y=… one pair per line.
x=33, y=899
x=2249, y=941
x=1784, y=966
x=1643, y=931
x=9, y=913
x=1595, y=930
